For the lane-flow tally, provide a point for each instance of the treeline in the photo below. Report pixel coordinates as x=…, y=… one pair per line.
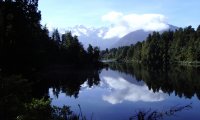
x=181, y=45
x=180, y=80
x=68, y=49
x=19, y=91
x=25, y=42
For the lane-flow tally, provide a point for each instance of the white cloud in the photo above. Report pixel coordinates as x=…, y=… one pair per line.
x=117, y=31
x=112, y=16
x=123, y=90
x=124, y=24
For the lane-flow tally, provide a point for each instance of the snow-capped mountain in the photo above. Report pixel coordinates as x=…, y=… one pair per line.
x=93, y=36
x=96, y=36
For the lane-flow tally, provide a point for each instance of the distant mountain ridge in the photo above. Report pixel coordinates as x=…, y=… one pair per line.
x=138, y=35
x=95, y=36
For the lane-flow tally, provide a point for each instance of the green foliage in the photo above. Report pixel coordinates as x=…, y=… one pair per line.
x=63, y=113
x=37, y=109
x=72, y=50
x=24, y=42
x=38, y=104
x=56, y=36
x=41, y=109
x=20, y=31
x=161, y=49
x=93, y=53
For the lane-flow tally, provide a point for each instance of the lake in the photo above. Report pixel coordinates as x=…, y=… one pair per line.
x=120, y=91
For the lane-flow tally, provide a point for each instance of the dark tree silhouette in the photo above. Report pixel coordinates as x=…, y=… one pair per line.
x=24, y=42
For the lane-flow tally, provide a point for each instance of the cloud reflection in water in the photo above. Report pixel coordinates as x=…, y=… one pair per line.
x=122, y=90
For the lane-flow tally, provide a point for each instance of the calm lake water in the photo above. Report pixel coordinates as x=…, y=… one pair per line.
x=121, y=90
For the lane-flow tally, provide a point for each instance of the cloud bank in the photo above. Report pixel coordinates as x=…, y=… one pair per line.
x=123, y=90
x=123, y=24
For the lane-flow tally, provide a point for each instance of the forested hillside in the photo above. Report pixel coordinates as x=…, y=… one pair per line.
x=24, y=42
x=182, y=45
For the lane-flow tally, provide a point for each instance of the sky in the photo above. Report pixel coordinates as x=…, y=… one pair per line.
x=119, y=13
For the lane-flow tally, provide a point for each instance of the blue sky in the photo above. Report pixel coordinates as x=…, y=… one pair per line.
x=68, y=13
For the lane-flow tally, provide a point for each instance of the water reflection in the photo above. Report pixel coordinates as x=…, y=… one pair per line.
x=130, y=82
x=181, y=80
x=17, y=90
x=132, y=85
x=124, y=90
x=70, y=81
x=121, y=89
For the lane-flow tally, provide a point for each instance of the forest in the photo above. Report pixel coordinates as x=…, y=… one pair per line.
x=179, y=46
x=24, y=42
x=26, y=49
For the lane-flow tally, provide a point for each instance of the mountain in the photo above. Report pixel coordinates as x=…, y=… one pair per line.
x=132, y=38
x=96, y=36
x=138, y=35
x=93, y=36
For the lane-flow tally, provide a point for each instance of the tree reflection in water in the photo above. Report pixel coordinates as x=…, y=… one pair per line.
x=182, y=80
x=18, y=90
